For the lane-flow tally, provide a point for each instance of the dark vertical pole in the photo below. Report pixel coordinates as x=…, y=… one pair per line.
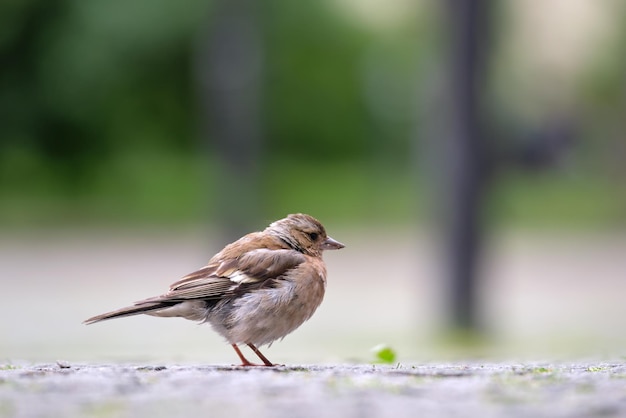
x=465, y=154
x=229, y=71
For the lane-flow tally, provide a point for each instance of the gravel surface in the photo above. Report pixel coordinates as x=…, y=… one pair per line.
x=580, y=389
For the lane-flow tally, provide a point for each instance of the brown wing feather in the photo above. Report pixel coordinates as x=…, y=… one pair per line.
x=251, y=270
x=263, y=264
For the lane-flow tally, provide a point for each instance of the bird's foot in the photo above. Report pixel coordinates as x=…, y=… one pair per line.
x=248, y=364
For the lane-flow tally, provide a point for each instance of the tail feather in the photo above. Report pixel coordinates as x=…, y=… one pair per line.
x=138, y=309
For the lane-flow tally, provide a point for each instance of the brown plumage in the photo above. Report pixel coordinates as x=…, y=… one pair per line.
x=256, y=290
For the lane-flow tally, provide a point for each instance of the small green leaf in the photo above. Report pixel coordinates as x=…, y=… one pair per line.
x=384, y=354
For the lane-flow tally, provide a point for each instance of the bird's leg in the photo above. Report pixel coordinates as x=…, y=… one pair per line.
x=261, y=356
x=244, y=361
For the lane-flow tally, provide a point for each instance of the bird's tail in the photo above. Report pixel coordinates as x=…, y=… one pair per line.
x=137, y=309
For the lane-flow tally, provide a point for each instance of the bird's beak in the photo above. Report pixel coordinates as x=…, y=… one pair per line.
x=331, y=244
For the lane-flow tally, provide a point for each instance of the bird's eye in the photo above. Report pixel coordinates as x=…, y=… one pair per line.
x=313, y=236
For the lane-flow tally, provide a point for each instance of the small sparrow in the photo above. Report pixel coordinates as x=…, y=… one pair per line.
x=256, y=290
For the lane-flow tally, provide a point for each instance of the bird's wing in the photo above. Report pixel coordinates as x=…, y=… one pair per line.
x=222, y=277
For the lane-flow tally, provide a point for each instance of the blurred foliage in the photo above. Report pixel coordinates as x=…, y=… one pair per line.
x=384, y=354
x=100, y=118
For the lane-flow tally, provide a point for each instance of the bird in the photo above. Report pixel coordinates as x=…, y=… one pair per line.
x=253, y=292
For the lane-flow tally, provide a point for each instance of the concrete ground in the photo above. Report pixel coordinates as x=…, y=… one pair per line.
x=547, y=300
x=578, y=389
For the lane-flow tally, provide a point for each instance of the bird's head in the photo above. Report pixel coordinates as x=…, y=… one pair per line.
x=304, y=233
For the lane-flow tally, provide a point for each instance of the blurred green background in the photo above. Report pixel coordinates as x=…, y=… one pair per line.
x=101, y=121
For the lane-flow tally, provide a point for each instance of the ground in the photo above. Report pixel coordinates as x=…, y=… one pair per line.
x=579, y=389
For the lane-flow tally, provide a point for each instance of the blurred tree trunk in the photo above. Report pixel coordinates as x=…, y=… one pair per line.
x=464, y=157
x=229, y=76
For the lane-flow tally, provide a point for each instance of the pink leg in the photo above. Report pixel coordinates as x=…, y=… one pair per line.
x=244, y=361
x=261, y=356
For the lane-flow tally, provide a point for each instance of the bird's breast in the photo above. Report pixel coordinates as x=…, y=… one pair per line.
x=267, y=314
